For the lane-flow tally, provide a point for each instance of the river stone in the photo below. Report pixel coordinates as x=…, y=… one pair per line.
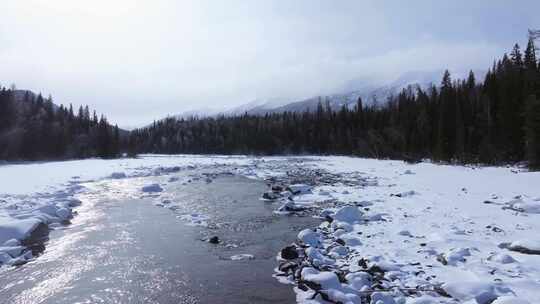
x=289, y=253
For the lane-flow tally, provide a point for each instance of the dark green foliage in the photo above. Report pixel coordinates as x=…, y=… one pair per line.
x=32, y=128
x=532, y=128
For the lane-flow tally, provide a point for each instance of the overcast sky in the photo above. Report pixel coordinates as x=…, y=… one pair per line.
x=139, y=60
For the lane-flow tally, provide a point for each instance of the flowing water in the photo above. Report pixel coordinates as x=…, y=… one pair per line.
x=123, y=249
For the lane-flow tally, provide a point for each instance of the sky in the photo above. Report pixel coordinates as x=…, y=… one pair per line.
x=140, y=60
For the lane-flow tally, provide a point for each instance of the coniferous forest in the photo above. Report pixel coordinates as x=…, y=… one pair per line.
x=32, y=128
x=494, y=120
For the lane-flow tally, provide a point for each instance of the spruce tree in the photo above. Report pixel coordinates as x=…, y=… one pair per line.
x=516, y=57
x=530, y=56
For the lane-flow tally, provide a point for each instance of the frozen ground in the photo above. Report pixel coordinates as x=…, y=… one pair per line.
x=390, y=232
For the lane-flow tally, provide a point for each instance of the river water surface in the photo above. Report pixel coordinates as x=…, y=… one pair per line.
x=124, y=249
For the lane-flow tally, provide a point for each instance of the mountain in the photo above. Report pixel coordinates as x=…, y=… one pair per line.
x=368, y=91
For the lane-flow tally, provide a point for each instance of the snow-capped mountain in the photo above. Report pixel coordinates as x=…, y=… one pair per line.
x=369, y=92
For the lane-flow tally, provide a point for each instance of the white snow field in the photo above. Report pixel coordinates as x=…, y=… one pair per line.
x=390, y=232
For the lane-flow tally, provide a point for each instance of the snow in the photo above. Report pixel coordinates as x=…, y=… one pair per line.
x=348, y=214
x=118, y=175
x=17, y=230
x=525, y=205
x=310, y=238
x=481, y=292
x=242, y=256
x=436, y=228
x=299, y=189
x=152, y=188
x=510, y=300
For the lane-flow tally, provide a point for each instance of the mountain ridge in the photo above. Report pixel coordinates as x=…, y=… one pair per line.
x=371, y=94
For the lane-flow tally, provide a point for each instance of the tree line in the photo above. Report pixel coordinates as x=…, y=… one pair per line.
x=493, y=121
x=33, y=127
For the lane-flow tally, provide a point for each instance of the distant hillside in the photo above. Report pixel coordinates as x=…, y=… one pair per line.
x=33, y=127
x=370, y=94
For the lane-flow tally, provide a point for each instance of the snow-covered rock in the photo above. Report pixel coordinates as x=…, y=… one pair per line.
x=481, y=292
x=501, y=258
x=310, y=238
x=173, y=179
x=18, y=229
x=152, y=188
x=525, y=205
x=348, y=214
x=291, y=206
x=299, y=189
x=325, y=279
x=527, y=246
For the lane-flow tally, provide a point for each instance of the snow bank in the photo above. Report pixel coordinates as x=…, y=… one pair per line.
x=17, y=230
x=420, y=233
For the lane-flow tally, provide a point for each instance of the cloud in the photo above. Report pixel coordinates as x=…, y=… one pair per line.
x=140, y=60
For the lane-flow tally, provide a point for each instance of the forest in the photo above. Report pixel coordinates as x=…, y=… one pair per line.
x=34, y=128
x=494, y=121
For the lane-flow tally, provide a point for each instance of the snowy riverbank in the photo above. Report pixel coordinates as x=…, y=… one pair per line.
x=390, y=231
